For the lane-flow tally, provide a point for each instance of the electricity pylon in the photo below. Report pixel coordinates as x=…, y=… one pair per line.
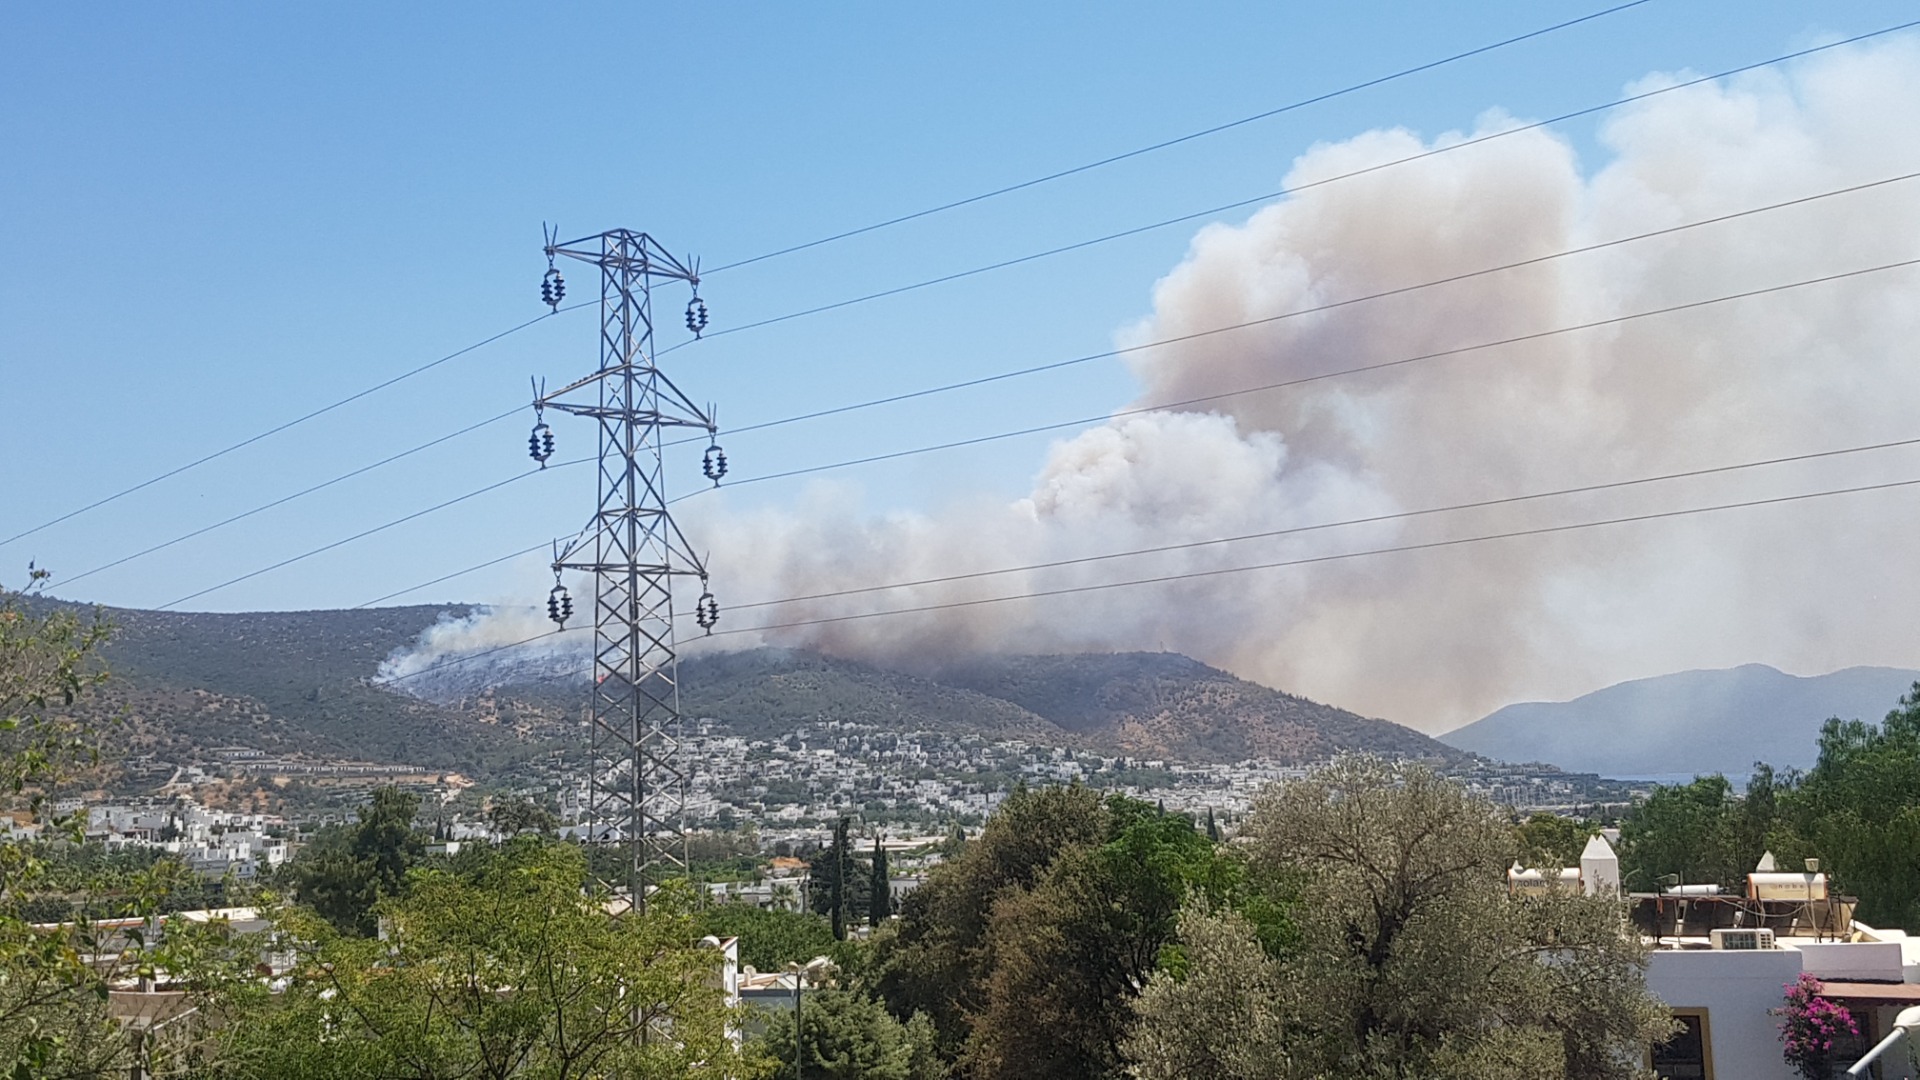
x=638, y=788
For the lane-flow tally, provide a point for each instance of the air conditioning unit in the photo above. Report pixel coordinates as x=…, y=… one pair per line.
x=1759, y=938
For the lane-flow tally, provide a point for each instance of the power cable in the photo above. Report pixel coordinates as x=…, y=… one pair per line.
x=289, y=498
x=816, y=243
x=1391, y=550
x=296, y=421
x=1509, y=500
x=1282, y=384
x=1006, y=263
x=1297, y=188
x=455, y=574
x=1000, y=265
x=1283, y=563
x=367, y=532
x=1384, y=365
x=1058, y=364
x=1312, y=310
x=1178, y=140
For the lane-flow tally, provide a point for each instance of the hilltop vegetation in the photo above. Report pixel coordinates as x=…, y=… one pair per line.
x=1172, y=706
x=284, y=682
x=1143, y=705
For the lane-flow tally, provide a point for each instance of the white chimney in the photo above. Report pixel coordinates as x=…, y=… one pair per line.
x=1599, y=869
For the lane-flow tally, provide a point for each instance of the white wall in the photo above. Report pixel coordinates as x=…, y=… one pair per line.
x=1736, y=988
x=1869, y=961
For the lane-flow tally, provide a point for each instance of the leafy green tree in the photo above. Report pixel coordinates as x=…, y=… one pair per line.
x=345, y=875
x=515, y=816
x=53, y=1019
x=939, y=961
x=49, y=657
x=1548, y=840
x=1070, y=952
x=1412, y=958
x=1693, y=831
x=513, y=973
x=1026, y=950
x=838, y=882
x=846, y=1035
x=769, y=940
x=1218, y=1011
x=1858, y=809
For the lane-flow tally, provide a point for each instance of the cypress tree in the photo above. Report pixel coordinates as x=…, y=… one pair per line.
x=880, y=896
x=1213, y=829
x=837, y=881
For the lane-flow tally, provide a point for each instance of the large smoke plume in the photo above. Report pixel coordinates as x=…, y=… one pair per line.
x=1436, y=638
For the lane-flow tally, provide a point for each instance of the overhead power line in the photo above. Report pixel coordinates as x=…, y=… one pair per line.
x=1214, y=211
x=1404, y=515
x=243, y=515
x=122, y=493
x=1059, y=364
x=1283, y=563
x=364, y=533
x=1310, y=560
x=1316, y=309
x=457, y=573
x=840, y=236
x=1180, y=139
x=1320, y=377
x=1381, y=366
x=277, y=429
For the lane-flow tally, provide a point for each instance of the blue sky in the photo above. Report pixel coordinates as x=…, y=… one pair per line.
x=220, y=217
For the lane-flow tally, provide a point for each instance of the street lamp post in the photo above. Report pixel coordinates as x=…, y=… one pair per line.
x=814, y=968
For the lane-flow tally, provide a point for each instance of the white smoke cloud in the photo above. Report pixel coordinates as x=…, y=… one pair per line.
x=1436, y=638
x=458, y=656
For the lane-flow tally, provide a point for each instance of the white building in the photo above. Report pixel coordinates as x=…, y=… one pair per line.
x=1724, y=963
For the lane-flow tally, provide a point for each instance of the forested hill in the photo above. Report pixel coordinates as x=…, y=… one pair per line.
x=299, y=682
x=284, y=682
x=1176, y=707
x=1145, y=705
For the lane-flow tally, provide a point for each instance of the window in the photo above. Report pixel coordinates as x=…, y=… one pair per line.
x=1689, y=1054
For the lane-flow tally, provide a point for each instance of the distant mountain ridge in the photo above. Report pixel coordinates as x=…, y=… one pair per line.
x=1688, y=722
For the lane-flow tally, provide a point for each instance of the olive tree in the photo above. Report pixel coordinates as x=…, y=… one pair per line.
x=1412, y=958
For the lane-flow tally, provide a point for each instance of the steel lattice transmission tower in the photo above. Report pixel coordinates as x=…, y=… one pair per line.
x=638, y=786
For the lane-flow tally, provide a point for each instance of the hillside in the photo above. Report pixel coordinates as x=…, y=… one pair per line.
x=1689, y=722
x=1167, y=705
x=1149, y=705
x=284, y=682
x=299, y=682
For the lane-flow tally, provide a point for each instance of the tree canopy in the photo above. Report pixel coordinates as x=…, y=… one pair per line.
x=1858, y=809
x=1025, y=949
x=847, y=1035
x=344, y=875
x=508, y=972
x=1413, y=959
x=53, y=1017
